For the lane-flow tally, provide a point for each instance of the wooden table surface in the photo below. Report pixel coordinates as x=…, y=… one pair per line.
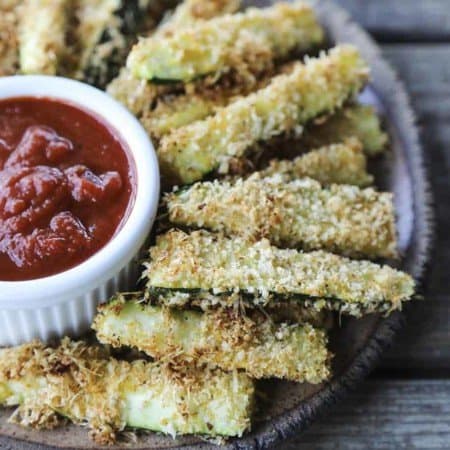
x=405, y=404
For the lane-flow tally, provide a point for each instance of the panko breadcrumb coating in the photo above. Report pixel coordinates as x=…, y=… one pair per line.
x=289, y=101
x=202, y=262
x=42, y=35
x=224, y=43
x=82, y=383
x=223, y=338
x=296, y=214
x=9, y=46
x=343, y=163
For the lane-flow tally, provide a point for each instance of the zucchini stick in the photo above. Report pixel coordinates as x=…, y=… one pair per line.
x=9, y=46
x=334, y=164
x=42, y=35
x=82, y=383
x=287, y=103
x=190, y=11
x=279, y=312
x=225, y=339
x=360, y=121
x=93, y=17
x=201, y=262
x=136, y=94
x=297, y=214
x=107, y=31
x=228, y=42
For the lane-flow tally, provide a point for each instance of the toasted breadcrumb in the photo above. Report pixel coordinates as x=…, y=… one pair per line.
x=42, y=35
x=198, y=262
x=319, y=86
x=359, y=121
x=82, y=383
x=298, y=213
x=223, y=338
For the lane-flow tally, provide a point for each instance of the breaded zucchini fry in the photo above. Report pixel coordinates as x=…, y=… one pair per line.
x=9, y=46
x=42, y=35
x=81, y=383
x=297, y=214
x=334, y=164
x=225, y=43
x=93, y=17
x=279, y=312
x=360, y=121
x=223, y=338
x=136, y=94
x=288, y=102
x=201, y=262
x=173, y=112
x=190, y=11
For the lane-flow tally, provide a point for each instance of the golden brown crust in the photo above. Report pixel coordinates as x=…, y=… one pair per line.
x=80, y=382
x=223, y=338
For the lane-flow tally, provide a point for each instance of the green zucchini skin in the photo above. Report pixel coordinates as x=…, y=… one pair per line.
x=290, y=101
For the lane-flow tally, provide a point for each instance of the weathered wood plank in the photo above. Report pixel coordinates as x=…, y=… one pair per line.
x=384, y=415
x=403, y=20
x=425, y=343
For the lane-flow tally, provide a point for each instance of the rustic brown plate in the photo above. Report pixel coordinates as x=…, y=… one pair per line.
x=357, y=344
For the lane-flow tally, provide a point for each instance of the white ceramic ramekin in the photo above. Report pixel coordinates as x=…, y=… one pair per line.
x=65, y=304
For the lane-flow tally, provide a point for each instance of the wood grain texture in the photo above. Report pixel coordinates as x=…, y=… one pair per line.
x=425, y=342
x=402, y=20
x=384, y=415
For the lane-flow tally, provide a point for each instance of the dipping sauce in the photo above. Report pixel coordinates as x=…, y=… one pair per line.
x=67, y=183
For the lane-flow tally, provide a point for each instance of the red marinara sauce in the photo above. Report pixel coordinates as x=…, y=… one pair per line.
x=67, y=183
